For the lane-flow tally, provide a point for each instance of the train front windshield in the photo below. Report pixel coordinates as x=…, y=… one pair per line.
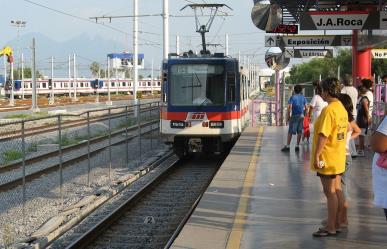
x=197, y=85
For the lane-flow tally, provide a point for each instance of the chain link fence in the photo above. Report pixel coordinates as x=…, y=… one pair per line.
x=78, y=154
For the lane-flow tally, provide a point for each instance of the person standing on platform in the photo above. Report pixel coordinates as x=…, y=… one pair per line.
x=379, y=165
x=353, y=132
x=353, y=94
x=368, y=84
x=328, y=153
x=306, y=128
x=296, y=105
x=363, y=117
x=384, y=84
x=317, y=103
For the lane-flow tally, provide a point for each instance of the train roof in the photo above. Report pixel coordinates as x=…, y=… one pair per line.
x=191, y=56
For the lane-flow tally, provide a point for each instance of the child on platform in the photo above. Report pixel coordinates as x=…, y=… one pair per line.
x=306, y=126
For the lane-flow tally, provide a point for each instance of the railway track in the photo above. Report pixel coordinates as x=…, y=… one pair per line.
x=102, y=140
x=151, y=212
x=32, y=131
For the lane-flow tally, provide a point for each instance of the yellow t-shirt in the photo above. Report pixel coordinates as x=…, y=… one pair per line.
x=333, y=124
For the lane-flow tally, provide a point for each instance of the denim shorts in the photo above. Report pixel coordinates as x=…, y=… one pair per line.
x=296, y=124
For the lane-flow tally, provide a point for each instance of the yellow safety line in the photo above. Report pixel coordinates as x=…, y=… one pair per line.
x=236, y=234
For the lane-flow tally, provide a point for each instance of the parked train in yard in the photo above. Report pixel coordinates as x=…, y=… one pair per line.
x=204, y=103
x=82, y=86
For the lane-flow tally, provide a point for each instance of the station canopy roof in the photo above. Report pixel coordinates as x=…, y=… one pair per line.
x=291, y=8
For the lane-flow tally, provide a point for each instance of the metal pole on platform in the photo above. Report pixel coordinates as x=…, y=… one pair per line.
x=277, y=96
x=34, y=107
x=135, y=54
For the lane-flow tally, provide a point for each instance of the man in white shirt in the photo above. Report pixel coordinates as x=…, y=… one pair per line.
x=351, y=91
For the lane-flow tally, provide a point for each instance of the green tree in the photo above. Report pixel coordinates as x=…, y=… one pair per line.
x=96, y=70
x=328, y=67
x=17, y=73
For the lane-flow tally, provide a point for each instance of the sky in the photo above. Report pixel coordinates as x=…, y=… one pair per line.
x=243, y=35
x=65, y=20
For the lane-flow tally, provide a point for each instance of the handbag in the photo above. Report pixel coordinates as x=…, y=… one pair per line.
x=382, y=160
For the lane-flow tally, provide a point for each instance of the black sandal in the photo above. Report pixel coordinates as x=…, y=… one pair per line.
x=323, y=233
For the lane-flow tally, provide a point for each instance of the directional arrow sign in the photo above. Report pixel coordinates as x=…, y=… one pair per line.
x=308, y=41
x=379, y=53
x=270, y=41
x=289, y=53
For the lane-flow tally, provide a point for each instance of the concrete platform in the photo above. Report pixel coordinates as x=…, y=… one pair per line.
x=264, y=198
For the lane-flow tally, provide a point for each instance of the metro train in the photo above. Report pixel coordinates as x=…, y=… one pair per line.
x=204, y=103
x=82, y=86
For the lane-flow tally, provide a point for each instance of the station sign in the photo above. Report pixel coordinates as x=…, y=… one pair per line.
x=309, y=53
x=343, y=20
x=379, y=53
x=308, y=41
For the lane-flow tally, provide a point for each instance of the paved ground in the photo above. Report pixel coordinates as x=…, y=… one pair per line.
x=281, y=204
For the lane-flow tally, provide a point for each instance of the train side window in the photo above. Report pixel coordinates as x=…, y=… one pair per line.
x=159, y=83
x=123, y=83
x=230, y=87
x=113, y=84
x=143, y=83
x=44, y=85
x=149, y=84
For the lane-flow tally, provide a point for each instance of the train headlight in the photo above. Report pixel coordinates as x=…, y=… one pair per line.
x=177, y=124
x=216, y=124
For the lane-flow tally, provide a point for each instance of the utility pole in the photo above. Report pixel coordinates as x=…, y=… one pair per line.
x=69, y=82
x=18, y=24
x=34, y=107
x=177, y=45
x=22, y=74
x=152, y=78
x=226, y=49
x=135, y=53
x=12, y=98
x=166, y=29
x=51, y=101
x=75, y=79
x=109, y=102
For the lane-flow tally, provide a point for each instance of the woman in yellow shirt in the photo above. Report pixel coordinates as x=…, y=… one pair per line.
x=328, y=152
